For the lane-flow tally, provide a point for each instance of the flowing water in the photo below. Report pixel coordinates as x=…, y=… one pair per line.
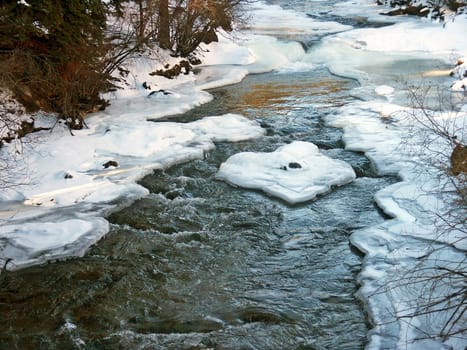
x=199, y=264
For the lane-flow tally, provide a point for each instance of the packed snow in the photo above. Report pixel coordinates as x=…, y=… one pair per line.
x=296, y=172
x=71, y=182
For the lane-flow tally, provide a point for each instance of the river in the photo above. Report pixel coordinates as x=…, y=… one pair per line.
x=200, y=264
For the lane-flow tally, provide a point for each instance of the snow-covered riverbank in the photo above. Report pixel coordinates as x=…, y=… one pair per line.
x=69, y=183
x=403, y=255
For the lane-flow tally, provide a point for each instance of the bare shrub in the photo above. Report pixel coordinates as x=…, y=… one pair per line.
x=432, y=287
x=13, y=124
x=179, y=26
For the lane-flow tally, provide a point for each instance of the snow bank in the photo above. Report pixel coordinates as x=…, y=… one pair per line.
x=381, y=127
x=369, y=52
x=411, y=36
x=393, y=248
x=296, y=172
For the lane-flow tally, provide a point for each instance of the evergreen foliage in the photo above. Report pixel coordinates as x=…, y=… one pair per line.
x=59, y=55
x=51, y=53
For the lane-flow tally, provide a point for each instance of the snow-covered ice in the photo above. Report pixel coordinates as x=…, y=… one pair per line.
x=296, y=172
x=273, y=20
x=35, y=242
x=77, y=175
x=384, y=90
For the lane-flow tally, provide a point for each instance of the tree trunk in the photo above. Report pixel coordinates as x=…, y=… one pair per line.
x=164, y=25
x=142, y=25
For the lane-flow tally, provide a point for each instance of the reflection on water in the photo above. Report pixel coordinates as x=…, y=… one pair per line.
x=276, y=96
x=266, y=95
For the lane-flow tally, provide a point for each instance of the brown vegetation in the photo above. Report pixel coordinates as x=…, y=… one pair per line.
x=459, y=159
x=51, y=56
x=70, y=89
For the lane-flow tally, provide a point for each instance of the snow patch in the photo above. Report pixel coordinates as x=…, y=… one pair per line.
x=384, y=90
x=296, y=172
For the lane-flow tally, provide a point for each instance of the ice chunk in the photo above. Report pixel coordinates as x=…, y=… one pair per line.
x=228, y=127
x=384, y=90
x=31, y=243
x=296, y=172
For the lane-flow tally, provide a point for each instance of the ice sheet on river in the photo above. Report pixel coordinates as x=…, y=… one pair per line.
x=296, y=172
x=396, y=251
x=92, y=172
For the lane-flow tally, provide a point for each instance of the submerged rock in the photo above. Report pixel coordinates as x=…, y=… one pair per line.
x=161, y=91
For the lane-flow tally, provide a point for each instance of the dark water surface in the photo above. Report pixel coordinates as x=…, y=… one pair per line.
x=199, y=264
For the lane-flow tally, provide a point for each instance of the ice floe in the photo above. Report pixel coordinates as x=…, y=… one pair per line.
x=296, y=172
x=30, y=243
